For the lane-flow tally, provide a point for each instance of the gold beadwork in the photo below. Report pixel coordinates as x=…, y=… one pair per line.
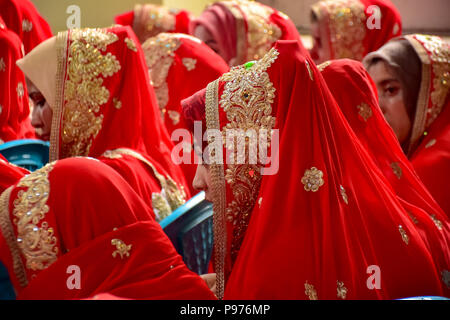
x=247, y=101
x=130, y=44
x=364, y=111
x=189, y=63
x=2, y=65
x=312, y=179
x=117, y=103
x=174, y=116
x=413, y=218
x=436, y=221
x=122, y=248
x=343, y=194
x=311, y=75
x=20, y=90
x=323, y=66
x=27, y=25
x=84, y=92
x=37, y=243
x=405, y=237
x=310, y=291
x=395, y=166
x=341, y=290
x=159, y=18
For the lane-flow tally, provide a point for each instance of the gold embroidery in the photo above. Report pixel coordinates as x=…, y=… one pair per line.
x=310, y=291
x=344, y=194
x=159, y=18
x=397, y=169
x=130, y=44
x=122, y=248
x=27, y=25
x=312, y=179
x=84, y=92
x=347, y=27
x=174, y=116
x=311, y=75
x=2, y=65
x=117, y=103
x=189, y=63
x=159, y=54
x=436, y=221
x=246, y=99
x=446, y=278
x=341, y=290
x=364, y=111
x=171, y=197
x=1, y=109
x=37, y=244
x=405, y=237
x=413, y=218
x=430, y=143
x=260, y=202
x=323, y=66
x=20, y=90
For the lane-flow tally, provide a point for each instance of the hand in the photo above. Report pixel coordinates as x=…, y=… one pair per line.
x=210, y=279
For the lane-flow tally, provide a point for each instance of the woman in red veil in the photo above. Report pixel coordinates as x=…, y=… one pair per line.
x=102, y=105
x=419, y=66
x=319, y=224
x=77, y=217
x=241, y=30
x=352, y=28
x=149, y=20
x=22, y=17
x=180, y=65
x=14, y=104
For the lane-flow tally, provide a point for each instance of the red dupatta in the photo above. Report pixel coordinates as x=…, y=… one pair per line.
x=174, y=60
x=245, y=30
x=149, y=20
x=79, y=213
x=22, y=17
x=14, y=104
x=328, y=215
x=344, y=26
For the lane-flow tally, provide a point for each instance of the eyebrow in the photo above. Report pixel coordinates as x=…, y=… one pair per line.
x=386, y=81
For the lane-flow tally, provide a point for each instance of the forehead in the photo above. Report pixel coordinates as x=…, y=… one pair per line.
x=381, y=71
x=30, y=86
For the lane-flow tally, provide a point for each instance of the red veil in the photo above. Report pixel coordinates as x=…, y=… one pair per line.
x=344, y=26
x=14, y=104
x=174, y=60
x=245, y=30
x=22, y=17
x=79, y=215
x=149, y=20
x=104, y=107
x=327, y=217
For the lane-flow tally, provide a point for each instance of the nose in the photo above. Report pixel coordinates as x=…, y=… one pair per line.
x=36, y=120
x=199, y=183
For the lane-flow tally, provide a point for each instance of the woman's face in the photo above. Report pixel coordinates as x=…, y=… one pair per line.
x=391, y=99
x=203, y=34
x=41, y=117
x=202, y=181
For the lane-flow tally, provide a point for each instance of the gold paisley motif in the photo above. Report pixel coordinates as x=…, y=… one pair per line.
x=35, y=238
x=122, y=249
x=364, y=111
x=246, y=99
x=84, y=92
x=130, y=44
x=341, y=290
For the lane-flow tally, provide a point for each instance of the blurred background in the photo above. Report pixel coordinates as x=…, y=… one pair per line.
x=419, y=16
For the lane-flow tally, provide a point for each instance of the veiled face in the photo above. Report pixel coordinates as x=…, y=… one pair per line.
x=203, y=34
x=391, y=99
x=202, y=181
x=41, y=117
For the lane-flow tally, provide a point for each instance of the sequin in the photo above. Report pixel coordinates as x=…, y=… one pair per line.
x=122, y=249
x=312, y=179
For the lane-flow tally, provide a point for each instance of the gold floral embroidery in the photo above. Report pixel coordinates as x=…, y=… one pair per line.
x=122, y=248
x=20, y=90
x=37, y=243
x=310, y=291
x=395, y=166
x=430, y=143
x=171, y=196
x=159, y=54
x=446, y=278
x=84, y=92
x=323, y=66
x=117, y=103
x=405, y=237
x=2, y=65
x=347, y=26
x=159, y=18
x=130, y=44
x=413, y=218
x=341, y=290
x=27, y=25
x=364, y=111
x=246, y=99
x=343, y=194
x=312, y=179
x=436, y=221
x=189, y=63
x=260, y=202
x=311, y=75
x=174, y=116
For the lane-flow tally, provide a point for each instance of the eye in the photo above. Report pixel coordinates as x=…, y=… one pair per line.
x=38, y=99
x=391, y=90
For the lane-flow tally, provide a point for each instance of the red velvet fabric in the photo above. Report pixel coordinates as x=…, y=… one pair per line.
x=15, y=109
x=88, y=206
x=22, y=17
